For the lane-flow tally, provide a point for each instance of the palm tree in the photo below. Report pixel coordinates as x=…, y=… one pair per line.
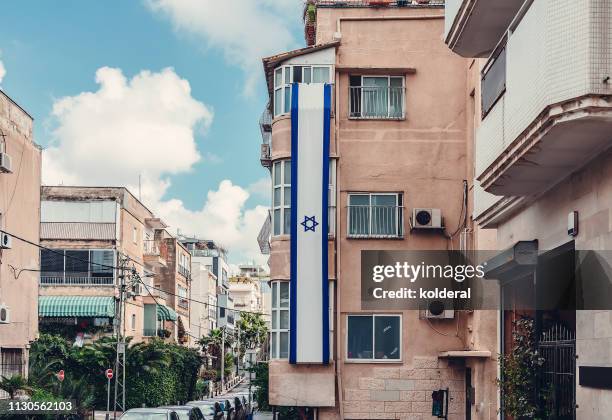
x=211, y=344
x=13, y=384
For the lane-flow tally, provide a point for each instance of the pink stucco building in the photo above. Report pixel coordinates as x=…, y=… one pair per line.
x=400, y=139
x=20, y=163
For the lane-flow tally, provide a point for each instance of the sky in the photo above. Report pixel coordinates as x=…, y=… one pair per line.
x=165, y=92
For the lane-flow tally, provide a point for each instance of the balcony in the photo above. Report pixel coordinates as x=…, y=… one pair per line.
x=152, y=253
x=74, y=279
x=184, y=271
x=375, y=222
x=547, y=109
x=376, y=102
x=183, y=303
x=265, y=126
x=473, y=27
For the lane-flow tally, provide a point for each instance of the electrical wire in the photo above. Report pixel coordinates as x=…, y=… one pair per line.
x=60, y=253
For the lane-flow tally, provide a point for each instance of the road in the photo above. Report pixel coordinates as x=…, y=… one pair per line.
x=242, y=390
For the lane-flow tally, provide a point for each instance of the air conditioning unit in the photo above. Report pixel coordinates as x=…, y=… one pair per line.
x=439, y=309
x=5, y=314
x=426, y=219
x=6, y=242
x=6, y=165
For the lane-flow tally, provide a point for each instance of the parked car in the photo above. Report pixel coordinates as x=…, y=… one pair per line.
x=150, y=414
x=207, y=407
x=187, y=412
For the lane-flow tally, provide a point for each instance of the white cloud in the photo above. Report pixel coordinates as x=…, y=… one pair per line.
x=245, y=30
x=262, y=187
x=2, y=71
x=126, y=129
x=144, y=127
x=223, y=218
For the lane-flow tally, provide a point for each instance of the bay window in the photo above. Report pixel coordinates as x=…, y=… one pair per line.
x=284, y=76
x=376, y=338
x=281, y=197
x=279, y=334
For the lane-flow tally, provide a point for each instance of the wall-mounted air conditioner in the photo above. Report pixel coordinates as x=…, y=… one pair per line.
x=439, y=309
x=6, y=164
x=5, y=314
x=426, y=219
x=6, y=242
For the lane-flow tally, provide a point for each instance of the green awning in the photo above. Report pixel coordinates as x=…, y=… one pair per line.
x=165, y=314
x=76, y=306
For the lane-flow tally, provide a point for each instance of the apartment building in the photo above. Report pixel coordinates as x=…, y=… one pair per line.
x=397, y=119
x=203, y=308
x=543, y=175
x=175, y=278
x=214, y=257
x=261, y=274
x=20, y=163
x=93, y=238
x=246, y=292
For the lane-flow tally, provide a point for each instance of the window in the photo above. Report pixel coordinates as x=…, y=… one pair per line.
x=11, y=362
x=281, y=197
x=133, y=321
x=376, y=97
x=279, y=336
x=374, y=337
x=285, y=75
x=375, y=215
x=135, y=235
x=76, y=267
x=183, y=300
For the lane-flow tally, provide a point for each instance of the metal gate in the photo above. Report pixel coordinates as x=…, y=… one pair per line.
x=558, y=374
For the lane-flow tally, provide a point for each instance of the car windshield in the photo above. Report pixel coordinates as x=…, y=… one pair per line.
x=183, y=414
x=144, y=416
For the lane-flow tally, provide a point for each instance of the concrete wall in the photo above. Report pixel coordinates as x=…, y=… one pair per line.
x=20, y=212
x=589, y=192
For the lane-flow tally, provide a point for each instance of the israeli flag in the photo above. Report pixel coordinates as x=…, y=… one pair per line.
x=309, y=296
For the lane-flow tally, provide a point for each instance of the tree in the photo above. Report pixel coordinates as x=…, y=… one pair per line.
x=211, y=345
x=253, y=332
x=518, y=382
x=13, y=384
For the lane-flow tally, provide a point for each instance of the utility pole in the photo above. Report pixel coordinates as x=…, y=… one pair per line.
x=119, y=402
x=222, y=357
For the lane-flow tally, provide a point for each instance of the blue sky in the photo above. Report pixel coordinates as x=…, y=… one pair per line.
x=52, y=50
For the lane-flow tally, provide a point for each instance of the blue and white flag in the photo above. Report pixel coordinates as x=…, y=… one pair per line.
x=310, y=130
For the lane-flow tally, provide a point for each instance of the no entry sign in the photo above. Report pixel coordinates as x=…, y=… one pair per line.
x=109, y=373
x=60, y=375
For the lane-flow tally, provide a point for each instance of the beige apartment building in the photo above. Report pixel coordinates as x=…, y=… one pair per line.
x=94, y=239
x=246, y=292
x=20, y=163
x=203, y=309
x=543, y=170
x=400, y=139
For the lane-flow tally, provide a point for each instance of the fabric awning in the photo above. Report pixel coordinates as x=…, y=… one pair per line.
x=76, y=306
x=165, y=314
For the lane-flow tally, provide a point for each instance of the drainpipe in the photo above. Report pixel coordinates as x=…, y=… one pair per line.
x=339, y=357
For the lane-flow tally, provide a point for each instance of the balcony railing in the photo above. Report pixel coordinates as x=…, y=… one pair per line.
x=74, y=279
x=183, y=270
x=377, y=102
x=183, y=303
x=372, y=221
x=150, y=247
x=378, y=3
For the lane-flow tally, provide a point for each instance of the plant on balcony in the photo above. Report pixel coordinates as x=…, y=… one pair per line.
x=518, y=382
x=164, y=333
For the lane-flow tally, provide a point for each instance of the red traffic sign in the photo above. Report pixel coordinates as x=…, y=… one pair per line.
x=109, y=373
x=60, y=375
